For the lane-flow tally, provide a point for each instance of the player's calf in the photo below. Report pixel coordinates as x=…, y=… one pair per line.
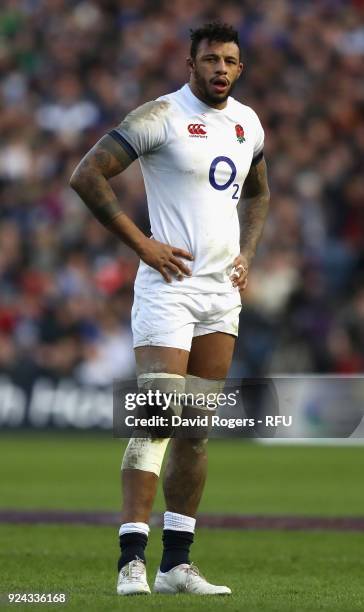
x=185, y=476
x=141, y=466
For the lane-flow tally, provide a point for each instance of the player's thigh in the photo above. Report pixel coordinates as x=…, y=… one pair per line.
x=161, y=359
x=211, y=355
x=163, y=326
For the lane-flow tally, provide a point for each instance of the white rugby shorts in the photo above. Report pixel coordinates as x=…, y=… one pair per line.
x=173, y=319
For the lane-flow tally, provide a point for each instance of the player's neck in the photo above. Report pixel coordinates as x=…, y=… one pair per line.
x=196, y=92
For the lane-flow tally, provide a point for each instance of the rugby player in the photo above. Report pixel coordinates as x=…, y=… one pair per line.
x=201, y=153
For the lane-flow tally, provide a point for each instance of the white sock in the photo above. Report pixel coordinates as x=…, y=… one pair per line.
x=179, y=522
x=134, y=528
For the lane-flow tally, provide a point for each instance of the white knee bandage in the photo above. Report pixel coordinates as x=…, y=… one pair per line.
x=199, y=388
x=201, y=395
x=173, y=385
x=146, y=453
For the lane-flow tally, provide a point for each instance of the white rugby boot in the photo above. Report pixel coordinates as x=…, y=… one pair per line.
x=186, y=578
x=132, y=579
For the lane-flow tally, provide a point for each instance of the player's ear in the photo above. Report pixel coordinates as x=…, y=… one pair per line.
x=190, y=63
x=241, y=68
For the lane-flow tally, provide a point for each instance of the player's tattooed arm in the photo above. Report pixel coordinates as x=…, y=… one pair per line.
x=90, y=178
x=90, y=181
x=253, y=209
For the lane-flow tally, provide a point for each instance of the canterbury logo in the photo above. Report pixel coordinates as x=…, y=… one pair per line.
x=197, y=129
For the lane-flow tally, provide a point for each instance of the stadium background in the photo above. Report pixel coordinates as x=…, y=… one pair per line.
x=69, y=71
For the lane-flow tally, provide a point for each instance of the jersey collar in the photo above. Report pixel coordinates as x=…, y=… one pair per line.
x=186, y=90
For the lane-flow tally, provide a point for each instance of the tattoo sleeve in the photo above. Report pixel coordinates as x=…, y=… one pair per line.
x=253, y=208
x=90, y=178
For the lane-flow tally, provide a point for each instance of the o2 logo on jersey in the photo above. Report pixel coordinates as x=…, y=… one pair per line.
x=222, y=186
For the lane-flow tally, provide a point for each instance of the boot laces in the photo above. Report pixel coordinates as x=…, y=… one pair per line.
x=192, y=571
x=133, y=570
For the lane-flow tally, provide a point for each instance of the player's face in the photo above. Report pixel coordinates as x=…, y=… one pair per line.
x=214, y=71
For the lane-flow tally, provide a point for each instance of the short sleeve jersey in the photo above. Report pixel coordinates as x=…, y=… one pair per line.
x=194, y=161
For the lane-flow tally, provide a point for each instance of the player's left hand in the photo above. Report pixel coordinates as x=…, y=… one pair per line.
x=239, y=275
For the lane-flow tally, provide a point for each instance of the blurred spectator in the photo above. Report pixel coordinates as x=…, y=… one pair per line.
x=70, y=70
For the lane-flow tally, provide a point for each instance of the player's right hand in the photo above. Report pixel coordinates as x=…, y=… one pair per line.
x=165, y=259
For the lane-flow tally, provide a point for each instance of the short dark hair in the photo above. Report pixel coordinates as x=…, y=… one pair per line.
x=215, y=31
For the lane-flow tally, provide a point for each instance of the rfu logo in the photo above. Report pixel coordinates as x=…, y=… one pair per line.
x=197, y=130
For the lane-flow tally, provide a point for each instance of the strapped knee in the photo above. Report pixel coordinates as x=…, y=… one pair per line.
x=208, y=388
x=146, y=451
x=201, y=396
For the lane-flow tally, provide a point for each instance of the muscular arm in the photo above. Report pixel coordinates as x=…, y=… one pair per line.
x=253, y=208
x=90, y=180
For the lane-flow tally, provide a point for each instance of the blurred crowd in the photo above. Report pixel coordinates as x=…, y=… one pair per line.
x=70, y=70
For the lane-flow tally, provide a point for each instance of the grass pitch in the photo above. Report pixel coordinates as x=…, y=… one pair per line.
x=280, y=571
x=82, y=472
x=267, y=570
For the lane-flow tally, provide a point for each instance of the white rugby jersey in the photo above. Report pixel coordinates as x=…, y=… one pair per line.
x=194, y=161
